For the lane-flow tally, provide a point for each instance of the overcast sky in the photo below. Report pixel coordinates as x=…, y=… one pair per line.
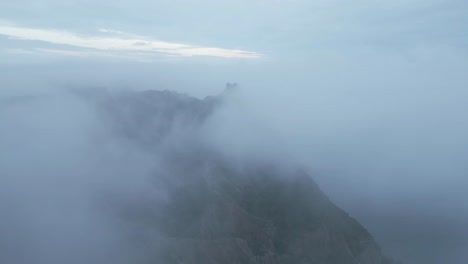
x=241, y=40
x=370, y=94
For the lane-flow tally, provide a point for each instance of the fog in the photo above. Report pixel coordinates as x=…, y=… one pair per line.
x=57, y=163
x=369, y=97
x=387, y=146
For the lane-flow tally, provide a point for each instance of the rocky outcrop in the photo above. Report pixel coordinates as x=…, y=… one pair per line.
x=262, y=217
x=217, y=212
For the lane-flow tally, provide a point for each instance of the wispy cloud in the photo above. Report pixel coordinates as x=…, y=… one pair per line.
x=112, y=31
x=121, y=43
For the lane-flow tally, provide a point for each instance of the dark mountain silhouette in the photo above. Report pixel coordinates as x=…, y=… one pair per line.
x=215, y=211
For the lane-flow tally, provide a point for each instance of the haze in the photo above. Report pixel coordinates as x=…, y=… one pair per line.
x=369, y=96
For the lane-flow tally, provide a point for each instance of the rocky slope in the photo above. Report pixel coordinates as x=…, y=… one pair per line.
x=215, y=211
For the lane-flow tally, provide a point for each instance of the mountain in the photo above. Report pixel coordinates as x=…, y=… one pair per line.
x=216, y=211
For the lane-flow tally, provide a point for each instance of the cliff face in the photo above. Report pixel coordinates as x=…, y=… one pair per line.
x=216, y=212
x=260, y=216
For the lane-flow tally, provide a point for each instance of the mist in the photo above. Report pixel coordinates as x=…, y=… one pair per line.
x=369, y=98
x=58, y=163
x=386, y=142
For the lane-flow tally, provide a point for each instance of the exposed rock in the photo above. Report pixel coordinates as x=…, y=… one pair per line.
x=219, y=213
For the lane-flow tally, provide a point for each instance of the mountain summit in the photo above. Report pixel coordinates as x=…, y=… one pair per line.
x=216, y=211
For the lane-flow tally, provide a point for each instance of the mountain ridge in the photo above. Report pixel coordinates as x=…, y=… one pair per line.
x=255, y=213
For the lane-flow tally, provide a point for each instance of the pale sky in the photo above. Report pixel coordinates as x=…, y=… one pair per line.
x=233, y=29
x=251, y=39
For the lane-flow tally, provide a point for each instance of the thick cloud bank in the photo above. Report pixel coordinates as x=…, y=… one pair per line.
x=78, y=167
